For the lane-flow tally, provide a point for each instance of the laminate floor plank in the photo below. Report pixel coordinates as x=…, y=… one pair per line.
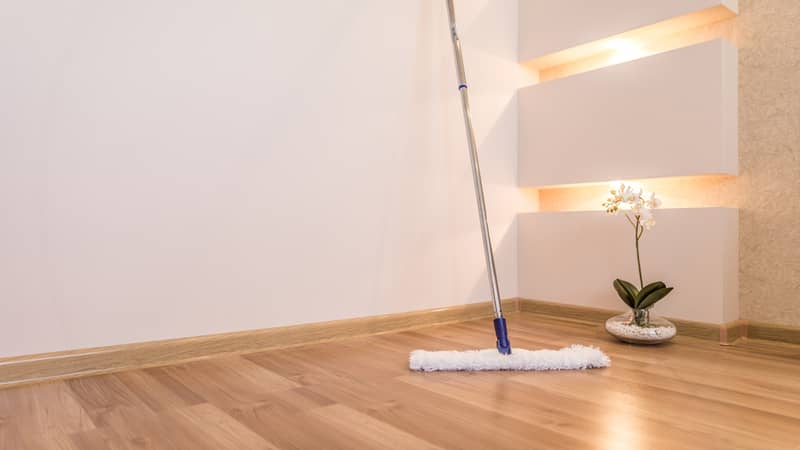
x=152, y=390
x=42, y=410
x=107, y=400
x=230, y=381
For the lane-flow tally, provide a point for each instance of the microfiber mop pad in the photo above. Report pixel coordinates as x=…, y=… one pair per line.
x=568, y=358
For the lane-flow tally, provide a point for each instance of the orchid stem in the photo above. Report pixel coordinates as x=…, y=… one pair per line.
x=638, y=236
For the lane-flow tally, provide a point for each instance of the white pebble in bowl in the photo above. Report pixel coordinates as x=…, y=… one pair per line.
x=657, y=332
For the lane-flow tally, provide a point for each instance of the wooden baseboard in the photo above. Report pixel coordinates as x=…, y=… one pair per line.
x=773, y=332
x=565, y=311
x=76, y=363
x=724, y=334
x=731, y=332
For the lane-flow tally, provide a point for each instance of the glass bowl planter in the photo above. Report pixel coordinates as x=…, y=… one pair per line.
x=637, y=327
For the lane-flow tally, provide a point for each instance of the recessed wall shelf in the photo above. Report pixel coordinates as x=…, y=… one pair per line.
x=573, y=257
x=674, y=192
x=671, y=114
x=556, y=32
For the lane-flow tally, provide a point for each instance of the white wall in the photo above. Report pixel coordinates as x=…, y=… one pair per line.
x=179, y=168
x=573, y=257
x=670, y=114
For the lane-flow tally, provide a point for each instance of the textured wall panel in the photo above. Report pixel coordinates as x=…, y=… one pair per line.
x=769, y=185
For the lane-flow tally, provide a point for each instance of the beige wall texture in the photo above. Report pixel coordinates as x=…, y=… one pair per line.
x=769, y=160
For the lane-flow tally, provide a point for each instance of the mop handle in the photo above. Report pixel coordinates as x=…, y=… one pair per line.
x=476, y=169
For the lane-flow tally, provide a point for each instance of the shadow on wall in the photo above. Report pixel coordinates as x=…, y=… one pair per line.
x=438, y=212
x=505, y=250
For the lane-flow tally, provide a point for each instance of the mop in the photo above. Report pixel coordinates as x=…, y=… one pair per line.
x=572, y=357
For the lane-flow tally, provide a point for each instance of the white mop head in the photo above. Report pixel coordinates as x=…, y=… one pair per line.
x=568, y=358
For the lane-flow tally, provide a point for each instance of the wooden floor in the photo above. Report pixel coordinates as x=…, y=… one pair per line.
x=359, y=394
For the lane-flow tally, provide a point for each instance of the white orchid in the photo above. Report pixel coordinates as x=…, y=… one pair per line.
x=629, y=194
x=638, y=206
x=646, y=218
x=635, y=203
x=652, y=202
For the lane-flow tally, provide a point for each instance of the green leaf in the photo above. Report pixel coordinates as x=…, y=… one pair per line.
x=654, y=296
x=647, y=290
x=632, y=290
x=624, y=293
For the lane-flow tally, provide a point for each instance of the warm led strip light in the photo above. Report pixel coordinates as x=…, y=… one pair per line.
x=675, y=192
x=683, y=31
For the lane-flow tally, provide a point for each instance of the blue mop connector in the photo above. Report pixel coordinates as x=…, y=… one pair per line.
x=500, y=330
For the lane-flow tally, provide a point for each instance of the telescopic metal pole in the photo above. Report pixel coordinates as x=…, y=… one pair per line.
x=503, y=345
